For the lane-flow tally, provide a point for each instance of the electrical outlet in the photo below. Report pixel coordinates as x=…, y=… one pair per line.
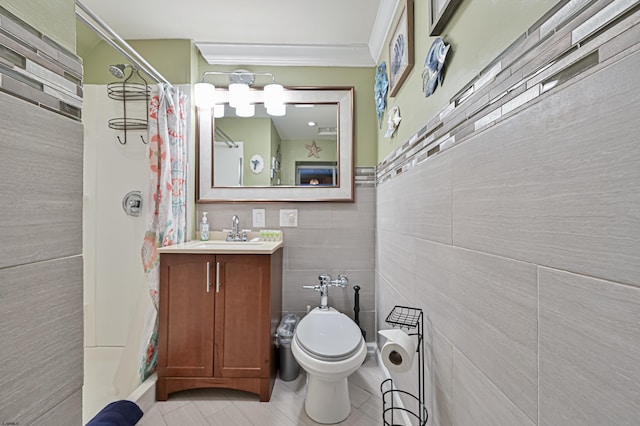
x=289, y=218
x=258, y=218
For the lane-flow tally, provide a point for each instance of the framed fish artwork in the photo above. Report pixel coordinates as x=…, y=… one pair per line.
x=401, y=49
x=440, y=11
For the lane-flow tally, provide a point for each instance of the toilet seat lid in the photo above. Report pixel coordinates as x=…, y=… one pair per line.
x=331, y=336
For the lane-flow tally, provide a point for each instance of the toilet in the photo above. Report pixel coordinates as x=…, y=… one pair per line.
x=329, y=346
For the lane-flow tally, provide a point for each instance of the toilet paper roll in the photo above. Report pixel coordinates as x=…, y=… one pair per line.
x=398, y=351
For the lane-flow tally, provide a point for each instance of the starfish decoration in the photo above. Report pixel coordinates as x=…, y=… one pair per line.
x=314, y=150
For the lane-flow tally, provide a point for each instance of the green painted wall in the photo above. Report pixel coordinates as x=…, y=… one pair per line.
x=172, y=58
x=275, y=145
x=478, y=32
x=293, y=151
x=176, y=60
x=54, y=18
x=256, y=135
x=361, y=79
x=260, y=136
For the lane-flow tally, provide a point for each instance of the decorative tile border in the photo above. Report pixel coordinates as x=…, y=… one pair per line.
x=576, y=38
x=365, y=177
x=38, y=70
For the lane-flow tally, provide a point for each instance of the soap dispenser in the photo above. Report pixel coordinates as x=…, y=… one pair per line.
x=204, y=228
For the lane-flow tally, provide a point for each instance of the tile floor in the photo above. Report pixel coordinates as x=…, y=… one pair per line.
x=205, y=407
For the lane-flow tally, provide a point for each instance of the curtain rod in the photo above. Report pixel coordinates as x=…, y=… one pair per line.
x=107, y=34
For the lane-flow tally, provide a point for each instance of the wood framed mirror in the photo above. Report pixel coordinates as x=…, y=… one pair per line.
x=305, y=155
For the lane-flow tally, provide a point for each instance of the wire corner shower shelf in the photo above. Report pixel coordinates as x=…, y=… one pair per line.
x=411, y=319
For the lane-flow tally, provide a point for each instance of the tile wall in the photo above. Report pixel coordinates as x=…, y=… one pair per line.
x=520, y=236
x=40, y=229
x=332, y=238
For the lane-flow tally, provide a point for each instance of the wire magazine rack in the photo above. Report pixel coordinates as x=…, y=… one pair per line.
x=411, y=319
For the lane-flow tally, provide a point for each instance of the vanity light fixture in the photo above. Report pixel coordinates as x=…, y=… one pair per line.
x=274, y=99
x=204, y=95
x=278, y=110
x=239, y=95
x=239, y=91
x=218, y=110
x=245, y=110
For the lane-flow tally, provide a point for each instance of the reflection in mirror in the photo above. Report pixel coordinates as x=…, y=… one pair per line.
x=266, y=151
x=316, y=173
x=305, y=155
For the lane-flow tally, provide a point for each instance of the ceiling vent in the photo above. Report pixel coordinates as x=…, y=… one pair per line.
x=327, y=131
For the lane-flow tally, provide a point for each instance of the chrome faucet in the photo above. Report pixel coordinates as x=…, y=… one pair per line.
x=235, y=234
x=235, y=225
x=323, y=287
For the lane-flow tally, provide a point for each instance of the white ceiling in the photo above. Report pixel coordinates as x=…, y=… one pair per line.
x=264, y=32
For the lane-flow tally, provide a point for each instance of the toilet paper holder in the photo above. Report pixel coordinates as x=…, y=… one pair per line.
x=411, y=319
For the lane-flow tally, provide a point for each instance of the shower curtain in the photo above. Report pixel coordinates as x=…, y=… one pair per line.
x=167, y=195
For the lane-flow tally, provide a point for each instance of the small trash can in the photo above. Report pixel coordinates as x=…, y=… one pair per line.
x=289, y=367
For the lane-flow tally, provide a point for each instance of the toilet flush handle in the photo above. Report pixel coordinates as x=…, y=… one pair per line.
x=324, y=293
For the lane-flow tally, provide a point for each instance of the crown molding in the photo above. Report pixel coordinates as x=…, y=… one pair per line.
x=286, y=55
x=382, y=27
x=354, y=55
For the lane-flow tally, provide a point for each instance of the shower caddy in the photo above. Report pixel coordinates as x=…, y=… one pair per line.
x=410, y=318
x=129, y=91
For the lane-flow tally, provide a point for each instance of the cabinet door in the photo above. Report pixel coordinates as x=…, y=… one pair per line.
x=242, y=336
x=185, y=335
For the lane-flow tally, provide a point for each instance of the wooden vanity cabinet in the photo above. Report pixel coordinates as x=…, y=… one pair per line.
x=217, y=317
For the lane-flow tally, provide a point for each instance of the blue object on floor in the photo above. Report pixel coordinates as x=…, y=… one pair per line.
x=118, y=413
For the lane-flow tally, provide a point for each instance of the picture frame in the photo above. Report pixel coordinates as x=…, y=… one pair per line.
x=401, y=49
x=440, y=11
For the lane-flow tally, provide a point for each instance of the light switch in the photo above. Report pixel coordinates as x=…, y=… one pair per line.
x=289, y=218
x=258, y=218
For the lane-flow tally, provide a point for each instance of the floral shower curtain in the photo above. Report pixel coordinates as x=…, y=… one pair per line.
x=167, y=222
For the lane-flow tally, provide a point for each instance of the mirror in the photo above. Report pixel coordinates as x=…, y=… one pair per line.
x=268, y=158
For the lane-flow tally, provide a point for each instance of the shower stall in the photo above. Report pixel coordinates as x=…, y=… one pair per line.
x=116, y=294
x=115, y=289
